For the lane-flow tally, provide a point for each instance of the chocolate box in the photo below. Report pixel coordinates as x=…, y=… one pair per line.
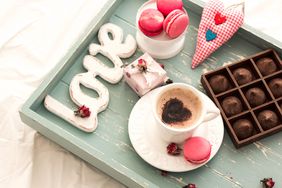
x=261, y=107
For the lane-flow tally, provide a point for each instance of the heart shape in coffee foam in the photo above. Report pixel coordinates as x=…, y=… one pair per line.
x=224, y=31
x=175, y=111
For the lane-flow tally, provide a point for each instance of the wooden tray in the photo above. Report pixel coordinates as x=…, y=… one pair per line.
x=109, y=148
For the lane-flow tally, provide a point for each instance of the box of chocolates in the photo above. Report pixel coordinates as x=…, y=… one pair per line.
x=249, y=95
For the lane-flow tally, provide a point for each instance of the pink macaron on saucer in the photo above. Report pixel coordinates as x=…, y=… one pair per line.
x=197, y=150
x=160, y=46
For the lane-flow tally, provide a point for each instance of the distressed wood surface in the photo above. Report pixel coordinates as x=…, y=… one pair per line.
x=229, y=168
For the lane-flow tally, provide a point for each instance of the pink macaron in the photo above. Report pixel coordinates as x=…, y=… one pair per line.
x=166, y=6
x=151, y=22
x=197, y=150
x=175, y=23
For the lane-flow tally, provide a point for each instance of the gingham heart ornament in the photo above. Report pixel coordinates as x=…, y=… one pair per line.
x=218, y=25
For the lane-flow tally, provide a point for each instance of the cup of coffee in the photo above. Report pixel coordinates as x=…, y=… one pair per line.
x=179, y=109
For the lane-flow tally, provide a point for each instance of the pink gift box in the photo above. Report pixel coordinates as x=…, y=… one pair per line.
x=144, y=74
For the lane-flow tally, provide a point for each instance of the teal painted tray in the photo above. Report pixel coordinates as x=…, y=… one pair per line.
x=109, y=147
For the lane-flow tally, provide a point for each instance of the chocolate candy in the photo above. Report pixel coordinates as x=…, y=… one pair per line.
x=254, y=81
x=243, y=128
x=255, y=96
x=266, y=66
x=267, y=119
x=275, y=86
x=242, y=76
x=219, y=83
x=232, y=105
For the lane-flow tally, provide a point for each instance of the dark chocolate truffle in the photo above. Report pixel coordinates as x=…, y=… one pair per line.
x=243, y=128
x=255, y=96
x=243, y=76
x=219, y=83
x=266, y=66
x=275, y=86
x=232, y=105
x=267, y=119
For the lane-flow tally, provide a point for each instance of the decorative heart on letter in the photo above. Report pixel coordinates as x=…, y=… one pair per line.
x=210, y=35
x=233, y=20
x=219, y=19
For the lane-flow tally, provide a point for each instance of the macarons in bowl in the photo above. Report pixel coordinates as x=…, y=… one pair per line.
x=166, y=6
x=163, y=45
x=151, y=22
x=175, y=23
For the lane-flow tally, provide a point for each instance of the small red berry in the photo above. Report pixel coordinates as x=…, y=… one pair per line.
x=142, y=65
x=82, y=111
x=173, y=149
x=190, y=185
x=141, y=62
x=268, y=182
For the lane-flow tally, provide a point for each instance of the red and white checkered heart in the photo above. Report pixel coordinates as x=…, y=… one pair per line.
x=216, y=27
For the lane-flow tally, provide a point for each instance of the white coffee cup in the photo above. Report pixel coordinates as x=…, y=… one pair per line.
x=180, y=134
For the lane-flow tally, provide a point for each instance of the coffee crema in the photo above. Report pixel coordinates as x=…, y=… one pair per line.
x=179, y=108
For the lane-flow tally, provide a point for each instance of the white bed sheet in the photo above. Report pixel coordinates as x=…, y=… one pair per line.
x=34, y=35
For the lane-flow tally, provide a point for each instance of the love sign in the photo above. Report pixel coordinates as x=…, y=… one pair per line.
x=113, y=48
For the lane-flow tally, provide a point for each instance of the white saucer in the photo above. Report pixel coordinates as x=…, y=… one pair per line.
x=143, y=134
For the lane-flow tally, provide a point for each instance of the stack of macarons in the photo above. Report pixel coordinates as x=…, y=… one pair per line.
x=169, y=17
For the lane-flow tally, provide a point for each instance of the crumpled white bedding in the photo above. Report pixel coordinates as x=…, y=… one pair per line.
x=34, y=35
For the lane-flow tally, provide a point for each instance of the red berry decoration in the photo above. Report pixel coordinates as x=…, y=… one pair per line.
x=190, y=185
x=267, y=182
x=173, y=149
x=142, y=65
x=82, y=111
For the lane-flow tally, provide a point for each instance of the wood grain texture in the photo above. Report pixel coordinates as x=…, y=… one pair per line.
x=110, y=145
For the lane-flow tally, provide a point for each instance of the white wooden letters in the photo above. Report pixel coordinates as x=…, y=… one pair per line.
x=113, y=49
